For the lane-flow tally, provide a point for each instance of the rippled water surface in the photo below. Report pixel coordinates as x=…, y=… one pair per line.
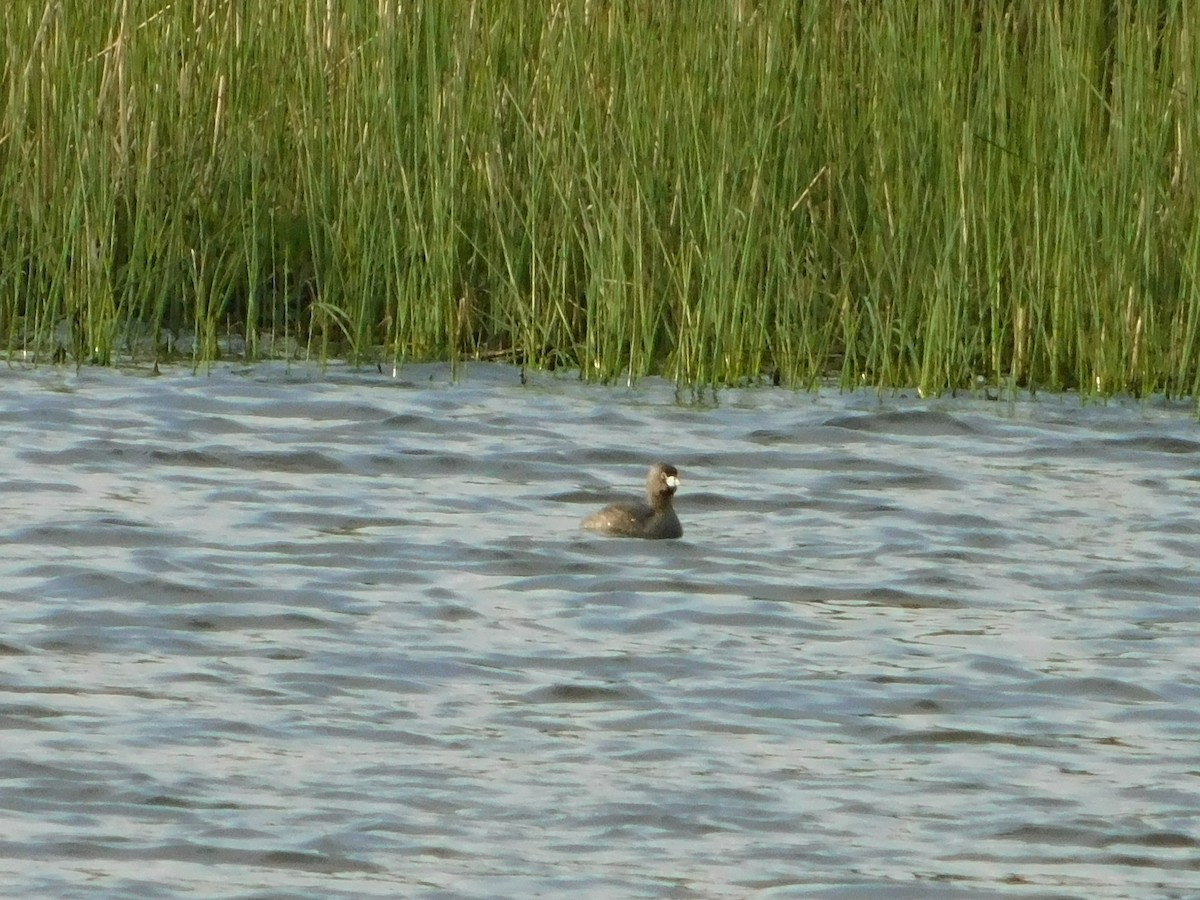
x=273, y=633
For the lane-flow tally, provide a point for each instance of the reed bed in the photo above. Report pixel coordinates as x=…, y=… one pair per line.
x=884, y=192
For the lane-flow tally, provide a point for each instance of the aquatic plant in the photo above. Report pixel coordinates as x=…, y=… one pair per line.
x=888, y=193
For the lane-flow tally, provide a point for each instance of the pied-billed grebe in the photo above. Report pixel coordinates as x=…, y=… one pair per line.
x=654, y=519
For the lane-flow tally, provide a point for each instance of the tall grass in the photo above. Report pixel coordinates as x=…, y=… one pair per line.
x=886, y=192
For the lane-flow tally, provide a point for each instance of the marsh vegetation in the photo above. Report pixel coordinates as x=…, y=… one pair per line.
x=882, y=192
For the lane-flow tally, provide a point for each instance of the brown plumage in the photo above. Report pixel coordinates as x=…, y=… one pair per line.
x=654, y=519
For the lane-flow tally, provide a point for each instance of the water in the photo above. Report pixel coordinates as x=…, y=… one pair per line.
x=273, y=633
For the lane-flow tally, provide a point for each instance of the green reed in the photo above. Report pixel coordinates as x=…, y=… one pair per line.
x=888, y=193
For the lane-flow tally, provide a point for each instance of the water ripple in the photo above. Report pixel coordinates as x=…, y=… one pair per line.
x=287, y=633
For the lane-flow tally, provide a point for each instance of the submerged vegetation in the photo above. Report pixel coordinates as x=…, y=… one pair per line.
x=883, y=192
